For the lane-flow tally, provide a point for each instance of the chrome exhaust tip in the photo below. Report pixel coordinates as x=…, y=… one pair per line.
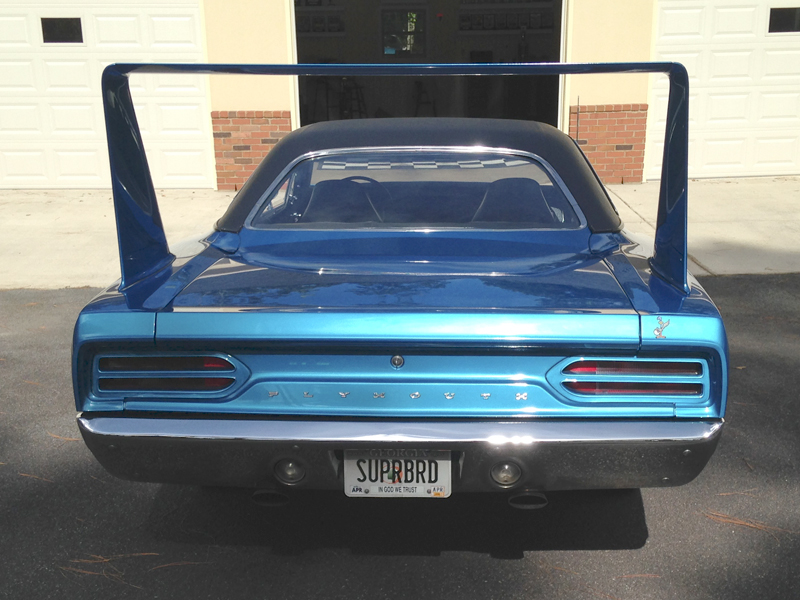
x=528, y=500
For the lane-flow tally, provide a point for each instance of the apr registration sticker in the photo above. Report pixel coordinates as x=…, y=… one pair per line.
x=397, y=473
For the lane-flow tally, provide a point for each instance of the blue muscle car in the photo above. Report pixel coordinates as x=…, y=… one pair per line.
x=404, y=308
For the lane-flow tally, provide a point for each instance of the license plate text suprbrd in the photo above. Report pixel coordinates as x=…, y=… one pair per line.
x=397, y=473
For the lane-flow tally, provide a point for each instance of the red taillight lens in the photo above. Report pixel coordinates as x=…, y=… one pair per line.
x=639, y=377
x=164, y=363
x=217, y=364
x=625, y=388
x=155, y=374
x=634, y=367
x=164, y=384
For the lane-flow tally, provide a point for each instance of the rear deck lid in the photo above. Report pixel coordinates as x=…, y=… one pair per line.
x=565, y=299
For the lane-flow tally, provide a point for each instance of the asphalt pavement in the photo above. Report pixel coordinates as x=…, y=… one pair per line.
x=70, y=530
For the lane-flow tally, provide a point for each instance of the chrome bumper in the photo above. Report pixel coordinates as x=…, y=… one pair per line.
x=554, y=455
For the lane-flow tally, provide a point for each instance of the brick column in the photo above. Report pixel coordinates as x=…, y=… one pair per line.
x=612, y=137
x=242, y=138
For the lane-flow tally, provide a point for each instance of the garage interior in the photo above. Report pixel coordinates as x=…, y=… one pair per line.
x=437, y=31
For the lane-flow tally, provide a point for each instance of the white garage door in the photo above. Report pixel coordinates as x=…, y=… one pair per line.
x=744, y=88
x=52, y=132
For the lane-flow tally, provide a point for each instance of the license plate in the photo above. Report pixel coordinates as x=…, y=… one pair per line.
x=397, y=473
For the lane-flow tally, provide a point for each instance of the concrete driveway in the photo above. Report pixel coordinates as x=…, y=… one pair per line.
x=736, y=226
x=67, y=238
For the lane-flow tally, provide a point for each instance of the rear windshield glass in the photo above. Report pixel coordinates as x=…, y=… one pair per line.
x=418, y=189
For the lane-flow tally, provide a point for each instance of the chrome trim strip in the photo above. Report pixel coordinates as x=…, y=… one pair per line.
x=554, y=176
x=494, y=433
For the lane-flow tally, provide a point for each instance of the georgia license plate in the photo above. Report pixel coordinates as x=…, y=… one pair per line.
x=397, y=473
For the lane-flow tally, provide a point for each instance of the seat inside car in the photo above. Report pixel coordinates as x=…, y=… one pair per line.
x=336, y=201
x=514, y=200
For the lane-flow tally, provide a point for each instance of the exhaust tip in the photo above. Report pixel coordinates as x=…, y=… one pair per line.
x=528, y=500
x=270, y=498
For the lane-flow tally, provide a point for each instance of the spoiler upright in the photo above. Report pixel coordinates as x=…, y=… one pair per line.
x=143, y=245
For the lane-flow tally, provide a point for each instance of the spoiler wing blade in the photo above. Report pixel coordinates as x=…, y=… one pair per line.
x=143, y=248
x=143, y=245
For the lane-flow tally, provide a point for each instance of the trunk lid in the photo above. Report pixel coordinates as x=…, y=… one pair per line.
x=530, y=294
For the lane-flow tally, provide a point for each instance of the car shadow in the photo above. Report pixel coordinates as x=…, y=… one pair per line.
x=586, y=520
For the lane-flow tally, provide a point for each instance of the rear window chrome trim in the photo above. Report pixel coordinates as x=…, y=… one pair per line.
x=551, y=172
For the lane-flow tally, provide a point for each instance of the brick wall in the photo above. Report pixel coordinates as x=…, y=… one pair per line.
x=242, y=138
x=612, y=137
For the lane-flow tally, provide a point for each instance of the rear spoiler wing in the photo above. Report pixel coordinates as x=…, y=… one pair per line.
x=143, y=245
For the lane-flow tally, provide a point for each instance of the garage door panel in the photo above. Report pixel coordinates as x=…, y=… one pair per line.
x=23, y=119
x=17, y=77
x=732, y=67
x=83, y=119
x=728, y=109
x=781, y=65
x=179, y=165
x=682, y=24
x=52, y=132
x=15, y=31
x=79, y=167
x=734, y=22
x=780, y=108
x=67, y=163
x=140, y=85
x=179, y=120
x=724, y=156
x=744, y=88
x=174, y=31
x=23, y=167
x=118, y=31
x=776, y=152
x=730, y=156
x=69, y=76
x=179, y=85
x=657, y=150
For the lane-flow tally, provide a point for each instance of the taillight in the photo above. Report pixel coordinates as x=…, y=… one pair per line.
x=166, y=384
x=633, y=367
x=624, y=388
x=164, y=374
x=634, y=377
x=164, y=363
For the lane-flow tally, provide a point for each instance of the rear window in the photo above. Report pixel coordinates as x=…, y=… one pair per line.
x=413, y=189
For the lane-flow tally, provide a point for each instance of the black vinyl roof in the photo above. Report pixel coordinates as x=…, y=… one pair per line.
x=552, y=145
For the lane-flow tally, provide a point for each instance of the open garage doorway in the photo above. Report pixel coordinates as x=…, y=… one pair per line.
x=432, y=31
